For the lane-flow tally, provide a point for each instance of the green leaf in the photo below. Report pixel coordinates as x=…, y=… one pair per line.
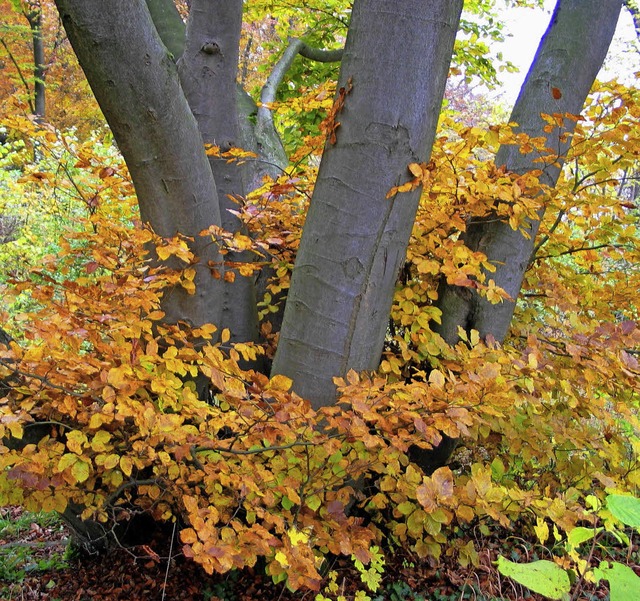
x=66, y=460
x=623, y=583
x=406, y=507
x=80, y=471
x=313, y=502
x=287, y=503
x=543, y=577
x=497, y=470
x=625, y=508
x=580, y=535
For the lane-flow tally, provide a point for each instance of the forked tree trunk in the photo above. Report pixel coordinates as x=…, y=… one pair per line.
x=565, y=66
x=393, y=74
x=562, y=73
x=136, y=83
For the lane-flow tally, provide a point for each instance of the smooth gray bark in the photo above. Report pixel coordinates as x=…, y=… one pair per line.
x=135, y=82
x=266, y=143
x=265, y=126
x=568, y=60
x=396, y=58
x=169, y=24
x=208, y=69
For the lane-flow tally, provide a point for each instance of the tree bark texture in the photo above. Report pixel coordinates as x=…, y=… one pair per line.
x=266, y=143
x=169, y=24
x=395, y=64
x=136, y=83
x=208, y=69
x=34, y=16
x=564, y=68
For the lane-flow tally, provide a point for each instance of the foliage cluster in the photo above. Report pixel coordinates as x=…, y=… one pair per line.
x=556, y=580
x=102, y=406
x=74, y=107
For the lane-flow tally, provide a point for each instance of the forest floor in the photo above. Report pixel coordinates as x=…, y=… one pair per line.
x=36, y=564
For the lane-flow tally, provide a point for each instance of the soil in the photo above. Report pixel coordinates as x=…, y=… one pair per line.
x=158, y=572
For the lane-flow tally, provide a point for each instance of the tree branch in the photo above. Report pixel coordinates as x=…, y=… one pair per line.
x=319, y=55
x=572, y=251
x=546, y=237
x=46, y=382
x=296, y=46
x=230, y=451
x=20, y=75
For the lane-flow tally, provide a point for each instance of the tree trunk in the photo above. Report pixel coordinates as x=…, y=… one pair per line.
x=208, y=69
x=136, y=83
x=34, y=16
x=396, y=59
x=266, y=143
x=169, y=24
x=563, y=71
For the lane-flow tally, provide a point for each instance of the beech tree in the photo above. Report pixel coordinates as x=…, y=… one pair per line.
x=154, y=111
x=394, y=337
x=201, y=106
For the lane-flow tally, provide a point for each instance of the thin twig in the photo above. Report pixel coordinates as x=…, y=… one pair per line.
x=20, y=75
x=301, y=443
x=46, y=382
x=166, y=574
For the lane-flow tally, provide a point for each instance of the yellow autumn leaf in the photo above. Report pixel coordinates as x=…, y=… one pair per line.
x=188, y=536
x=416, y=169
x=75, y=441
x=542, y=530
x=437, y=379
x=67, y=460
x=126, y=465
x=96, y=421
x=280, y=382
x=163, y=253
x=297, y=536
x=16, y=430
x=111, y=461
x=118, y=376
x=100, y=441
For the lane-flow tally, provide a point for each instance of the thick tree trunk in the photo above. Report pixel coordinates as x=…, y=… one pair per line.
x=396, y=60
x=563, y=71
x=136, y=84
x=208, y=69
x=266, y=143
